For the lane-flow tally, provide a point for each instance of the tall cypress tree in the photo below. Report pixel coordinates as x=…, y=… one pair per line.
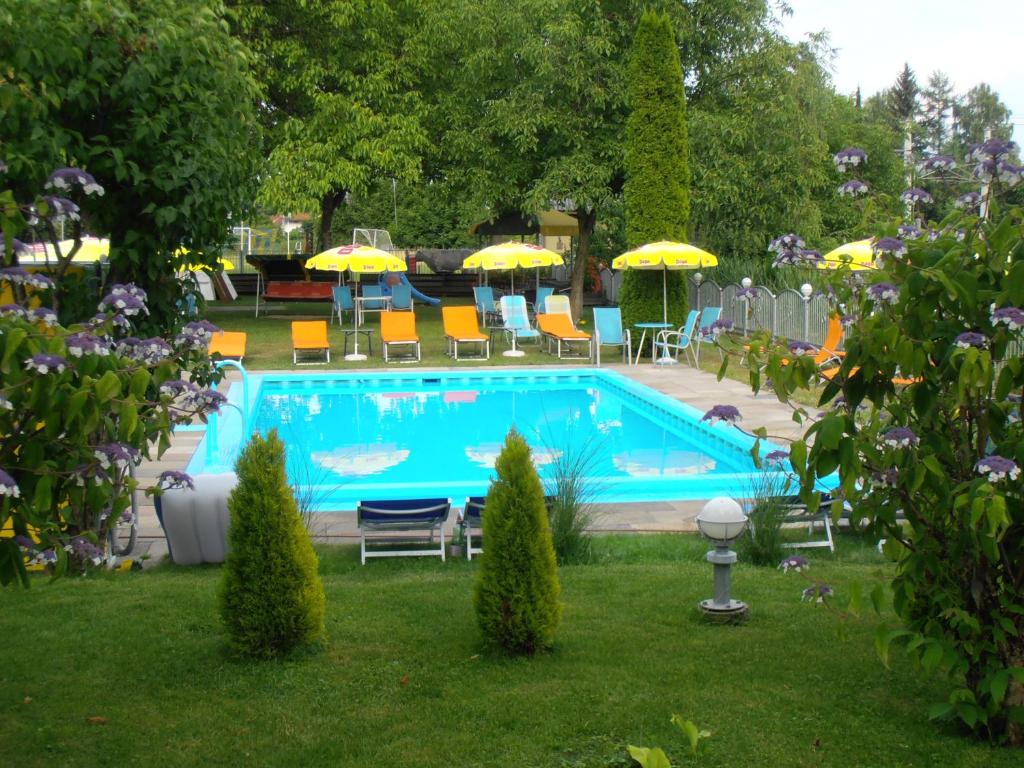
x=657, y=188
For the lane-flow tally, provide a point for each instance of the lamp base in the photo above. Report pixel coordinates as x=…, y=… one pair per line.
x=732, y=611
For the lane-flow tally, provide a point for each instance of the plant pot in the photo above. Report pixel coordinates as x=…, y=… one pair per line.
x=456, y=550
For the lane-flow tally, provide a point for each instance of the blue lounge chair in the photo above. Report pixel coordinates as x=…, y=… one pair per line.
x=472, y=516
x=371, y=301
x=342, y=302
x=516, y=323
x=679, y=340
x=538, y=301
x=483, y=297
x=708, y=317
x=401, y=298
x=796, y=512
x=608, y=330
x=402, y=522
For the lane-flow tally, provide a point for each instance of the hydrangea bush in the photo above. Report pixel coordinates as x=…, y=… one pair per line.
x=79, y=406
x=928, y=440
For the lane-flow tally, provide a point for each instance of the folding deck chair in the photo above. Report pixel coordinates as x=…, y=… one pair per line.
x=557, y=330
x=460, y=327
x=402, y=522
x=679, y=340
x=483, y=298
x=310, y=336
x=399, y=329
x=608, y=331
x=472, y=515
x=228, y=344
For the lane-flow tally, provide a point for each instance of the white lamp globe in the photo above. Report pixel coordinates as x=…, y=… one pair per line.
x=746, y=282
x=722, y=520
x=807, y=289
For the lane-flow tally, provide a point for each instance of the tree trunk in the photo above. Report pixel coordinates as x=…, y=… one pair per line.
x=1015, y=697
x=328, y=204
x=587, y=221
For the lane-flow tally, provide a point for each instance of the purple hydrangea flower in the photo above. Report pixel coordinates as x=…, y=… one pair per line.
x=39, y=281
x=44, y=364
x=908, y=232
x=24, y=542
x=111, y=454
x=776, y=457
x=889, y=246
x=85, y=549
x=17, y=246
x=8, y=487
x=68, y=178
x=177, y=388
x=884, y=292
x=84, y=474
x=786, y=242
x=851, y=156
x=938, y=164
x=817, y=593
x=205, y=400
x=915, y=195
x=127, y=347
x=122, y=302
x=969, y=339
x=886, y=479
x=997, y=468
x=802, y=348
x=720, y=326
x=1010, y=174
x=151, y=351
x=961, y=234
x=853, y=188
x=45, y=315
x=933, y=235
x=60, y=208
x=991, y=149
x=46, y=557
x=794, y=563
x=900, y=437
x=196, y=335
x=13, y=310
x=81, y=344
x=968, y=200
x=121, y=322
x=173, y=479
x=13, y=275
x=1011, y=317
x=748, y=294
x=727, y=413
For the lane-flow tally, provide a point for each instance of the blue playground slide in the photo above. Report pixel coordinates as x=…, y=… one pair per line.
x=386, y=289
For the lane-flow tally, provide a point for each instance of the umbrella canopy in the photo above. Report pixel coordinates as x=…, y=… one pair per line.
x=222, y=263
x=665, y=255
x=553, y=223
x=364, y=259
x=858, y=255
x=93, y=249
x=512, y=255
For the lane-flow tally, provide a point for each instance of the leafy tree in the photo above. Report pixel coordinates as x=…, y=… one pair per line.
x=657, y=187
x=341, y=108
x=517, y=590
x=272, y=599
x=936, y=114
x=977, y=111
x=923, y=423
x=154, y=100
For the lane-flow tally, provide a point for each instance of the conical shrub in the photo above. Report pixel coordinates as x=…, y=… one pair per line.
x=517, y=592
x=272, y=599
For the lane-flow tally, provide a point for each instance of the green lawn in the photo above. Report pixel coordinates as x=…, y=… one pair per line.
x=403, y=680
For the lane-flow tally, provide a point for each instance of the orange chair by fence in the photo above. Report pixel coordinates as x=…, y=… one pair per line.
x=558, y=329
x=228, y=344
x=310, y=336
x=397, y=329
x=461, y=327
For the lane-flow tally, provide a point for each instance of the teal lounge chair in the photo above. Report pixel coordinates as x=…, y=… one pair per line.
x=342, y=295
x=483, y=297
x=538, y=301
x=401, y=298
x=516, y=323
x=399, y=521
x=671, y=343
x=608, y=330
x=708, y=317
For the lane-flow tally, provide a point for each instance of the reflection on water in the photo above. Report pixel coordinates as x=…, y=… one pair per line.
x=451, y=438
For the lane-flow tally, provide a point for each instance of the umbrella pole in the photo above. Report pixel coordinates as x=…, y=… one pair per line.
x=664, y=294
x=355, y=332
x=512, y=285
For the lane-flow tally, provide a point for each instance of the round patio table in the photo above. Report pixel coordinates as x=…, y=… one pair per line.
x=654, y=328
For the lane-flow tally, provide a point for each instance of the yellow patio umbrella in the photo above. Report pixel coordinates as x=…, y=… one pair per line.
x=222, y=263
x=857, y=255
x=93, y=249
x=665, y=255
x=361, y=259
x=512, y=256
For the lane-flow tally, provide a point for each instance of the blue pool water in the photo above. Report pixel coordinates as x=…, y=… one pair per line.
x=353, y=437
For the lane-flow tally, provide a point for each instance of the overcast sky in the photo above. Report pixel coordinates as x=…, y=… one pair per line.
x=972, y=42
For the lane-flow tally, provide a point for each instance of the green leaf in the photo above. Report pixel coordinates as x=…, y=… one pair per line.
x=931, y=657
x=649, y=757
x=692, y=732
x=42, y=497
x=107, y=387
x=12, y=340
x=1000, y=682
x=140, y=380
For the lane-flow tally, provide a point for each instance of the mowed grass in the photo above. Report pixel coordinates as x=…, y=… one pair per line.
x=403, y=679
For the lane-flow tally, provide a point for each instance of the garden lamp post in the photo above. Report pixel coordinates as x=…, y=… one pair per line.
x=806, y=290
x=722, y=521
x=698, y=278
x=745, y=284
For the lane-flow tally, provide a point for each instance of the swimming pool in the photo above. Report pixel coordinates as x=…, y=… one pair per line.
x=354, y=437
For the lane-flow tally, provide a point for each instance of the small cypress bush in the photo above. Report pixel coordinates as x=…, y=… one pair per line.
x=517, y=592
x=272, y=599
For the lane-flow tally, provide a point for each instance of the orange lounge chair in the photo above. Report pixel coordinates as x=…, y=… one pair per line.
x=399, y=328
x=558, y=328
x=310, y=336
x=460, y=326
x=228, y=344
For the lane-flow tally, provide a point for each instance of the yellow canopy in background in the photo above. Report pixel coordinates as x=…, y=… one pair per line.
x=93, y=249
x=665, y=255
x=364, y=259
x=858, y=255
x=511, y=256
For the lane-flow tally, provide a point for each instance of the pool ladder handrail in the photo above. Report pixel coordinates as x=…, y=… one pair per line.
x=212, y=426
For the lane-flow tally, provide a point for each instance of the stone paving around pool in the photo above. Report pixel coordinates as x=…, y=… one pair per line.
x=697, y=388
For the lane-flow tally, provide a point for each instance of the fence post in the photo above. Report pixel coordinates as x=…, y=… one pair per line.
x=806, y=290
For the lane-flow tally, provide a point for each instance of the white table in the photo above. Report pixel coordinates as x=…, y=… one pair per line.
x=385, y=306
